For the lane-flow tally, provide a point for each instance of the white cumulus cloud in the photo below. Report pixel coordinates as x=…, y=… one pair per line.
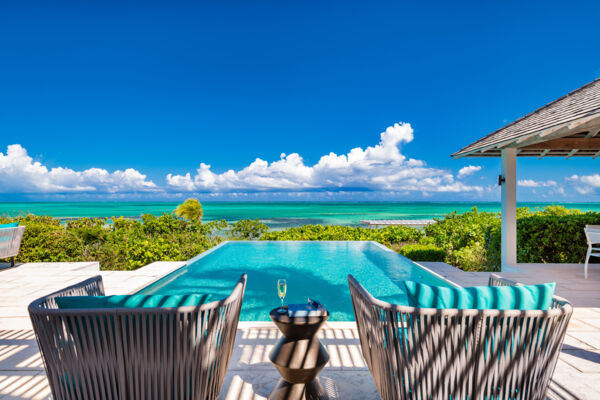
x=591, y=180
x=533, y=184
x=585, y=184
x=19, y=173
x=468, y=170
x=381, y=167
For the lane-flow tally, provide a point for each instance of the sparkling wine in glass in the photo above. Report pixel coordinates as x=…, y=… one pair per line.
x=281, y=289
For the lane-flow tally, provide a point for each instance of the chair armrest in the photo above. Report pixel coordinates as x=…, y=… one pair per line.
x=10, y=241
x=89, y=287
x=497, y=280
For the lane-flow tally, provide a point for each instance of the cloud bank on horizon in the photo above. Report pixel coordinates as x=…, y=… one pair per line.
x=377, y=168
x=19, y=173
x=381, y=168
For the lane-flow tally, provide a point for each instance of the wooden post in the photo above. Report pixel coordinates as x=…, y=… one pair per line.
x=509, y=207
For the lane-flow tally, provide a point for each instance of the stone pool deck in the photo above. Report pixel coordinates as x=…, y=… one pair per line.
x=250, y=374
x=21, y=285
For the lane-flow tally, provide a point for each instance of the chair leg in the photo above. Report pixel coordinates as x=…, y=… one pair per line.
x=12, y=262
x=587, y=261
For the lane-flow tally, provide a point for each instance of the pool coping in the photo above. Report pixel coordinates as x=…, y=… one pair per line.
x=193, y=259
x=223, y=243
x=432, y=272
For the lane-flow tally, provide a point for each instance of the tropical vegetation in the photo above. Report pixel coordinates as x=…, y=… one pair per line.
x=470, y=241
x=191, y=209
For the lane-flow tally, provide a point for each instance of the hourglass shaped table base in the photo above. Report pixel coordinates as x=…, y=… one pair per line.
x=299, y=356
x=299, y=391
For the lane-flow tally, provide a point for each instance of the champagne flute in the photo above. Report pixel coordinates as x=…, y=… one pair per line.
x=281, y=289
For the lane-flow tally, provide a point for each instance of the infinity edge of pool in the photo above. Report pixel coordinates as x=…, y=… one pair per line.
x=316, y=269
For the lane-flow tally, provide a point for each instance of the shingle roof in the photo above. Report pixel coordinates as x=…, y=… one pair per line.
x=582, y=102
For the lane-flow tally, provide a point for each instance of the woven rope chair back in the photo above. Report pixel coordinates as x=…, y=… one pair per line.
x=135, y=353
x=455, y=354
x=10, y=241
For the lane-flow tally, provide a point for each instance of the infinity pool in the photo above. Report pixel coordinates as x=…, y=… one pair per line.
x=316, y=269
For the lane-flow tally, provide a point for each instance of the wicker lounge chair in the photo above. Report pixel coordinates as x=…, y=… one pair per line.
x=135, y=353
x=10, y=242
x=453, y=354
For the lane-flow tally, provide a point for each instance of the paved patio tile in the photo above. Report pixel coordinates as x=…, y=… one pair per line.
x=595, y=322
x=19, y=356
x=586, y=312
x=347, y=385
x=583, y=360
x=21, y=385
x=591, y=338
x=27, y=282
x=577, y=325
x=15, y=323
x=574, y=343
x=19, y=352
x=567, y=384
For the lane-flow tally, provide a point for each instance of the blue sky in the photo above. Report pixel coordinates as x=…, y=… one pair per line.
x=121, y=100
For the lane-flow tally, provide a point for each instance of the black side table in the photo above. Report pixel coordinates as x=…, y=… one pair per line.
x=299, y=356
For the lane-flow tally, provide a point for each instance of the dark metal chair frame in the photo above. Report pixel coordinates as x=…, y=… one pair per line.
x=135, y=353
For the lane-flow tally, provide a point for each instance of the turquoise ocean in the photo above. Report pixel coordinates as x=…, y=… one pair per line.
x=274, y=214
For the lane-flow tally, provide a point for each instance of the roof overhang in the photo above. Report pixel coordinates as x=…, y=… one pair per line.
x=566, y=127
x=576, y=138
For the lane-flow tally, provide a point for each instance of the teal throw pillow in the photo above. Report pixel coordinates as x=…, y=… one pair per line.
x=525, y=297
x=132, y=301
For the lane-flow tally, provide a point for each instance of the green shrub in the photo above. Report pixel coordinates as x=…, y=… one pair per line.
x=471, y=258
x=191, y=209
x=470, y=241
x=553, y=234
x=492, y=247
x=123, y=245
x=132, y=244
x=89, y=230
x=45, y=239
x=461, y=235
x=247, y=229
x=552, y=238
x=423, y=252
x=388, y=235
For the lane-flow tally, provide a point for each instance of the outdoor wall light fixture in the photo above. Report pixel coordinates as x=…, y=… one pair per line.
x=501, y=180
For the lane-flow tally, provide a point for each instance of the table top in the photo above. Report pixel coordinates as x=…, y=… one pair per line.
x=285, y=318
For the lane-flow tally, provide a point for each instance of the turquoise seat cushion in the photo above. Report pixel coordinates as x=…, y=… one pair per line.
x=121, y=301
x=10, y=225
x=132, y=301
x=525, y=297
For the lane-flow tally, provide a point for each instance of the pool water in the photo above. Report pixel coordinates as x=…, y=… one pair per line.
x=316, y=269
